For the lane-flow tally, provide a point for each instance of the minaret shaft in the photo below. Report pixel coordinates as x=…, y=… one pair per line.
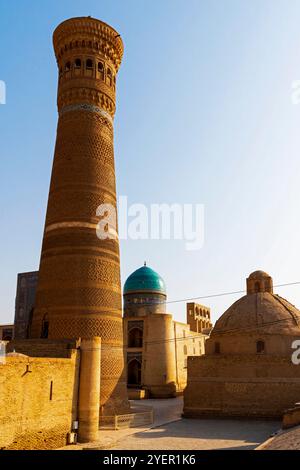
x=79, y=292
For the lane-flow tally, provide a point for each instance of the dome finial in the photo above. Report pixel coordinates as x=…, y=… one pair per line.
x=145, y=264
x=259, y=281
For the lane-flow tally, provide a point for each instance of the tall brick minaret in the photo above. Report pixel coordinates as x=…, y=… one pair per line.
x=79, y=292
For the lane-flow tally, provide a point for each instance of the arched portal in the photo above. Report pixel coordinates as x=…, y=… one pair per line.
x=134, y=373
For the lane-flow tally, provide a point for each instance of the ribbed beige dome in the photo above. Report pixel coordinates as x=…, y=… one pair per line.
x=263, y=311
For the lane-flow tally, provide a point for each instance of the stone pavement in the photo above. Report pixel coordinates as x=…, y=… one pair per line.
x=170, y=432
x=285, y=440
x=164, y=411
x=201, y=434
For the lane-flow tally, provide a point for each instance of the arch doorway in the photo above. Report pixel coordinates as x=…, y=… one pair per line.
x=134, y=373
x=135, y=338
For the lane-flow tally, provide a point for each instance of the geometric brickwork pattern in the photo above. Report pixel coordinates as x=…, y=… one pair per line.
x=44, y=439
x=93, y=269
x=79, y=291
x=84, y=296
x=110, y=330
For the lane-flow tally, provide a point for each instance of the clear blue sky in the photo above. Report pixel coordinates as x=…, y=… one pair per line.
x=204, y=116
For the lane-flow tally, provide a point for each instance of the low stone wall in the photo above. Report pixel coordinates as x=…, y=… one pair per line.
x=38, y=401
x=43, y=348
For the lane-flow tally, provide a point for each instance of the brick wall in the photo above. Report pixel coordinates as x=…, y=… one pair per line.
x=241, y=385
x=187, y=343
x=38, y=401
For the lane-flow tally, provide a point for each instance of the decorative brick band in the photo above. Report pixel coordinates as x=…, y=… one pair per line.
x=111, y=232
x=87, y=107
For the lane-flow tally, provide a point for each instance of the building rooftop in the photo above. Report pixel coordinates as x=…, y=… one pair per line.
x=261, y=310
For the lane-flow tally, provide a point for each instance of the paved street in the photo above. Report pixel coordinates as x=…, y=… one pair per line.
x=170, y=432
x=202, y=434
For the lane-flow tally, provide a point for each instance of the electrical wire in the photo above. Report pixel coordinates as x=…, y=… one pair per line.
x=220, y=294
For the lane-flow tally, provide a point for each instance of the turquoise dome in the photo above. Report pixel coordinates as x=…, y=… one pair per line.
x=145, y=279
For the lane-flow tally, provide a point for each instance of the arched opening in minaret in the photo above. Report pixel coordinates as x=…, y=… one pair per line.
x=77, y=63
x=89, y=64
x=134, y=373
x=100, y=69
x=109, y=77
x=135, y=338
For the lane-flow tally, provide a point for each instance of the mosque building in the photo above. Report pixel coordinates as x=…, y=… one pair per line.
x=247, y=369
x=157, y=346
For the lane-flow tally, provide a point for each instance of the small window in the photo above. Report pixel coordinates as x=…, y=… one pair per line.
x=77, y=63
x=185, y=350
x=100, y=67
x=89, y=64
x=257, y=287
x=135, y=338
x=68, y=67
x=260, y=347
x=109, y=72
x=217, y=348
